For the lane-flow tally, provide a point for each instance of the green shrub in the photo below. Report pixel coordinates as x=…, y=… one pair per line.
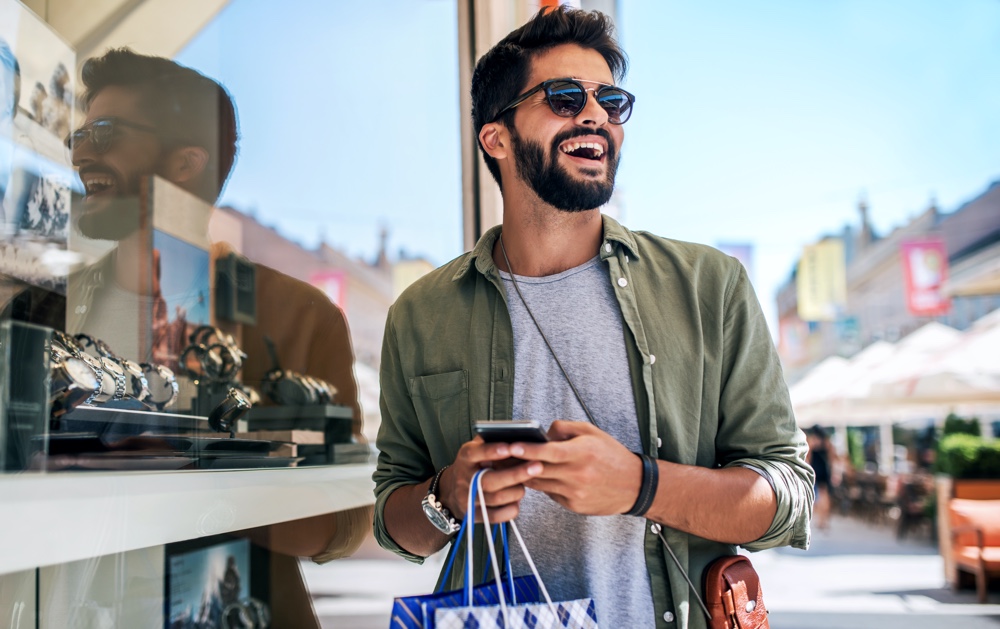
x=855, y=449
x=955, y=425
x=969, y=456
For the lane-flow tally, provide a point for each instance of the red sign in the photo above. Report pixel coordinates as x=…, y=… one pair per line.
x=925, y=269
x=333, y=283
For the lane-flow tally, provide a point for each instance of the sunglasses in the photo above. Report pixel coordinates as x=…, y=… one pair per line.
x=568, y=97
x=101, y=133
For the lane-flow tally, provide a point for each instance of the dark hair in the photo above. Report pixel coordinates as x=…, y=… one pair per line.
x=8, y=64
x=187, y=107
x=818, y=431
x=501, y=73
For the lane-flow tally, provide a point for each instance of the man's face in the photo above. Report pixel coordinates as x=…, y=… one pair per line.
x=547, y=148
x=133, y=152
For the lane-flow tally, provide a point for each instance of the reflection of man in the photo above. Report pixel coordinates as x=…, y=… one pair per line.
x=680, y=423
x=151, y=116
x=229, y=584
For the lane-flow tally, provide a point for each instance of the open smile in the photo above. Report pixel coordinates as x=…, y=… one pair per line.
x=96, y=184
x=592, y=151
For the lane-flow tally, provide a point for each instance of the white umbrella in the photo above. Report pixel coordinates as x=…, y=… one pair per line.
x=967, y=373
x=852, y=401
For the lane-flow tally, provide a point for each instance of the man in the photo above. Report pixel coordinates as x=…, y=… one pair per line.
x=664, y=341
x=151, y=116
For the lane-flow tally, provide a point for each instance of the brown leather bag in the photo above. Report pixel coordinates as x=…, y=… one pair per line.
x=733, y=595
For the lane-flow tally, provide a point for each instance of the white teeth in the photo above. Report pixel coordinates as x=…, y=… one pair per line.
x=96, y=183
x=575, y=146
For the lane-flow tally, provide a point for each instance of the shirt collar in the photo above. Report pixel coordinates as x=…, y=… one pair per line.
x=481, y=255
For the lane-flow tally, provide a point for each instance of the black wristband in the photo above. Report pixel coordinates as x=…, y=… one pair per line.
x=647, y=490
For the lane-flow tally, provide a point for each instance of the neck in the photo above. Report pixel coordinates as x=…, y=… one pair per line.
x=129, y=269
x=541, y=240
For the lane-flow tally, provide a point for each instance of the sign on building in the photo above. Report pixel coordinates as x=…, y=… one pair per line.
x=925, y=269
x=821, y=281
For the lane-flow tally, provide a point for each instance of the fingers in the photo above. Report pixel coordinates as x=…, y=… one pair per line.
x=562, y=430
x=477, y=451
x=516, y=476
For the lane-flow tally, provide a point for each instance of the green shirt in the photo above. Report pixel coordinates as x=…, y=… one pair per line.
x=706, y=378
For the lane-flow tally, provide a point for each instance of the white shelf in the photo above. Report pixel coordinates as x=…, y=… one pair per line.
x=48, y=519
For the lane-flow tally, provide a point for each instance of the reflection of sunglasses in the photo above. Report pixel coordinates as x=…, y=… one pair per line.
x=101, y=133
x=568, y=97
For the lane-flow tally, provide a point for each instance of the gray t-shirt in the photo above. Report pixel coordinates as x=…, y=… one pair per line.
x=579, y=556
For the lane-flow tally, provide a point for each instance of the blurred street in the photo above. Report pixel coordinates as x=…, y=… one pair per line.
x=854, y=576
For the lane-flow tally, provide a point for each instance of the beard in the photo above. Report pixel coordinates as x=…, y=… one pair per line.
x=551, y=181
x=115, y=213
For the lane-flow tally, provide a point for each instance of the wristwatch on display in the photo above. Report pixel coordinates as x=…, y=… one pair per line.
x=436, y=512
x=73, y=383
x=163, y=389
x=108, y=387
x=224, y=416
x=111, y=366
x=138, y=386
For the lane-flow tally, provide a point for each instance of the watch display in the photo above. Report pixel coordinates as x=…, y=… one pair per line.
x=73, y=383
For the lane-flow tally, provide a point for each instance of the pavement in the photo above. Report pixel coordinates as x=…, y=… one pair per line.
x=853, y=576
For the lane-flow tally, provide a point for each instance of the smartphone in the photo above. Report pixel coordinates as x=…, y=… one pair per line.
x=510, y=431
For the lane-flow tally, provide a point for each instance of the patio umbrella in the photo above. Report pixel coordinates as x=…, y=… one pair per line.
x=967, y=373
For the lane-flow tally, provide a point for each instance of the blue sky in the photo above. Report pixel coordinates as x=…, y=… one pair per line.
x=755, y=122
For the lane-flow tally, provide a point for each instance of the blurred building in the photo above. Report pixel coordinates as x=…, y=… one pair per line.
x=879, y=300
x=363, y=290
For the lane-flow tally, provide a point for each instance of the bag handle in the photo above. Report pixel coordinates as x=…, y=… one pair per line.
x=477, y=489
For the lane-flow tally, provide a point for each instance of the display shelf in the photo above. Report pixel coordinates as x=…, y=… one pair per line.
x=48, y=519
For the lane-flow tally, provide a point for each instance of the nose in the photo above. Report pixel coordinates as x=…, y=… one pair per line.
x=592, y=112
x=82, y=153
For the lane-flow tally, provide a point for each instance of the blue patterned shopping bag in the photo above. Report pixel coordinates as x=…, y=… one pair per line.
x=417, y=612
x=490, y=608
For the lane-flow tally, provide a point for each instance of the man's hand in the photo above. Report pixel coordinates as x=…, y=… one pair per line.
x=585, y=469
x=502, y=488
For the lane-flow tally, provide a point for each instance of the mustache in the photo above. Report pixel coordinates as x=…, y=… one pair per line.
x=581, y=131
x=99, y=170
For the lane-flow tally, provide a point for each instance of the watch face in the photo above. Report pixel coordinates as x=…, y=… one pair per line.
x=81, y=374
x=112, y=367
x=437, y=518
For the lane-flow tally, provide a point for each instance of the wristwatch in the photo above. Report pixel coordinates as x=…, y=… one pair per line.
x=108, y=387
x=163, y=388
x=112, y=367
x=73, y=383
x=138, y=385
x=235, y=405
x=436, y=512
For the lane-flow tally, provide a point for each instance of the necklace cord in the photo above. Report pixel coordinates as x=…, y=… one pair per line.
x=517, y=289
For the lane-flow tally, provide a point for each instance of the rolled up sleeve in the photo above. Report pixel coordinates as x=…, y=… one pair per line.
x=757, y=428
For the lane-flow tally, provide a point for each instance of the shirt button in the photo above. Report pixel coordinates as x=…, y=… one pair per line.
x=659, y=442
x=652, y=359
x=668, y=616
x=607, y=247
x=655, y=528
x=622, y=282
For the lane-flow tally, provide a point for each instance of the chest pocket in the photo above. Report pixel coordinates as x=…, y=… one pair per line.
x=441, y=402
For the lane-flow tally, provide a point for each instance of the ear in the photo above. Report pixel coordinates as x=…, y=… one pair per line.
x=184, y=165
x=495, y=140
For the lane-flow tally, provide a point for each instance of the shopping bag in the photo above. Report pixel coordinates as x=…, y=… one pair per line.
x=417, y=612
x=575, y=614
